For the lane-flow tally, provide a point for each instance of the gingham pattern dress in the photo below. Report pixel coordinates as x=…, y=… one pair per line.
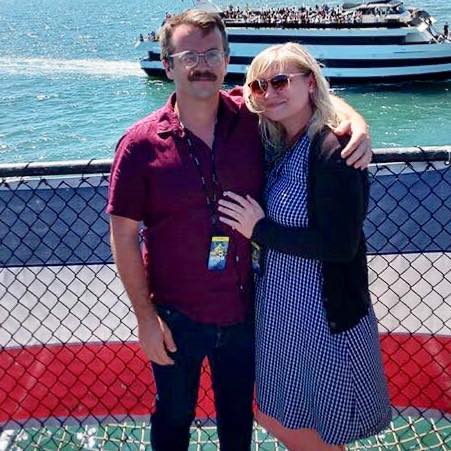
x=307, y=377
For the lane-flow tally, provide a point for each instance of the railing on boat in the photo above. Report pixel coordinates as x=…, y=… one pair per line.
x=72, y=374
x=319, y=25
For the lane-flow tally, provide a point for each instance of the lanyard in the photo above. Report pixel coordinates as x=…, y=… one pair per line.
x=210, y=200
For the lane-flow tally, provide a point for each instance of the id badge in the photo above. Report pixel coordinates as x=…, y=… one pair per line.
x=256, y=257
x=217, y=257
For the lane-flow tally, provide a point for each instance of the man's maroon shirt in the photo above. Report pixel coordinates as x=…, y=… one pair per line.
x=154, y=180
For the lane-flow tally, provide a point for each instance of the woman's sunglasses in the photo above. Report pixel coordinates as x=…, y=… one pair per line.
x=278, y=82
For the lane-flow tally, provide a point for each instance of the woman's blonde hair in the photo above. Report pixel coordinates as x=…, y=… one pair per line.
x=279, y=57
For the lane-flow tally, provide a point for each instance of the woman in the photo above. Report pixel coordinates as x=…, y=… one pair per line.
x=320, y=381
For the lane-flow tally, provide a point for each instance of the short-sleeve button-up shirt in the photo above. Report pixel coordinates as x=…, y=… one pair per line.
x=154, y=180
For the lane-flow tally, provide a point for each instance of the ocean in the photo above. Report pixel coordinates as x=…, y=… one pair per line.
x=70, y=81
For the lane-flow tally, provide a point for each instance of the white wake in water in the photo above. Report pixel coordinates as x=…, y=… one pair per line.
x=48, y=66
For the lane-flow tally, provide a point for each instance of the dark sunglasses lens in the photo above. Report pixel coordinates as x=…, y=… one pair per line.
x=258, y=87
x=279, y=81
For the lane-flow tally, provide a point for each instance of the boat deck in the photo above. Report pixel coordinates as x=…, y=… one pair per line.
x=72, y=375
x=405, y=433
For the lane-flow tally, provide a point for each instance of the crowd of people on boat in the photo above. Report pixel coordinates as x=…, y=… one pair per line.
x=281, y=16
x=286, y=15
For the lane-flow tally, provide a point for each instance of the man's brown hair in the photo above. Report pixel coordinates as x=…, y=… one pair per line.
x=203, y=20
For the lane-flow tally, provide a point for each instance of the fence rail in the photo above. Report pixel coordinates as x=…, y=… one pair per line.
x=72, y=375
x=58, y=168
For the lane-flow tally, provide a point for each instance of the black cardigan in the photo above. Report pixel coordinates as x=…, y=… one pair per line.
x=337, y=204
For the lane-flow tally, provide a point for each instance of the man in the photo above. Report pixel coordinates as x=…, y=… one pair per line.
x=192, y=290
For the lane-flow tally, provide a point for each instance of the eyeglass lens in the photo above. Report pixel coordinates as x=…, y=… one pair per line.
x=212, y=57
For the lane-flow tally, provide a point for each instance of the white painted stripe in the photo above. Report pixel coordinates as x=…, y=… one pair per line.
x=409, y=292
x=77, y=304
x=7, y=439
x=63, y=304
x=362, y=72
x=347, y=52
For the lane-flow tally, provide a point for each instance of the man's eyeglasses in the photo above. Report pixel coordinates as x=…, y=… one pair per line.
x=191, y=58
x=278, y=82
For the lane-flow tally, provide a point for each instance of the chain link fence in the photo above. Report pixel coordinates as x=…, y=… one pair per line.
x=72, y=375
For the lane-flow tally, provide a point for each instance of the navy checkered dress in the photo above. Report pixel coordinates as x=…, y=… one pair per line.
x=307, y=377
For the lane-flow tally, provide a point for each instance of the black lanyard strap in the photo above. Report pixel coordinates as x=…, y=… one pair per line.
x=210, y=200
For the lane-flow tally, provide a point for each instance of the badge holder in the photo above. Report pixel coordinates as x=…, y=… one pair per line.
x=217, y=257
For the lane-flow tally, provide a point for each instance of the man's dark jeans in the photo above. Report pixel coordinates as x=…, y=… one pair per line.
x=230, y=352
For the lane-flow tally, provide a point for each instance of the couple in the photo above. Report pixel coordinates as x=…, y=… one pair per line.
x=194, y=173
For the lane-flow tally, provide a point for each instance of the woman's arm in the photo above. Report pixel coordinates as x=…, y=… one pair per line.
x=340, y=202
x=340, y=209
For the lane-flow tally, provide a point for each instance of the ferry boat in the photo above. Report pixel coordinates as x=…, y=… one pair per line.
x=376, y=41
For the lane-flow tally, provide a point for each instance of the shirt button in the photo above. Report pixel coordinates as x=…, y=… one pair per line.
x=237, y=258
x=241, y=287
x=332, y=325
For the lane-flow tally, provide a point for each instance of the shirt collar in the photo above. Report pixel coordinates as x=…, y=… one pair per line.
x=169, y=121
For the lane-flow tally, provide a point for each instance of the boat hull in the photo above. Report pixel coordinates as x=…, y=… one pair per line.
x=239, y=76
x=347, y=56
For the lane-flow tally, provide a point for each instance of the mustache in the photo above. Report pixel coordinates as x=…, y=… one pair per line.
x=202, y=75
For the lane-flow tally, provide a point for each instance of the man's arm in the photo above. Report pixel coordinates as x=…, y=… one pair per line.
x=358, y=151
x=154, y=335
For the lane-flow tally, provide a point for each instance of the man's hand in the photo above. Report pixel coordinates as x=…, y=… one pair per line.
x=154, y=335
x=358, y=151
x=156, y=340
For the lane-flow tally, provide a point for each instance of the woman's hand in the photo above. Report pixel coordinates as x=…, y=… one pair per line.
x=242, y=214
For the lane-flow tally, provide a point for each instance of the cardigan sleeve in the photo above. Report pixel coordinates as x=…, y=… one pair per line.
x=339, y=195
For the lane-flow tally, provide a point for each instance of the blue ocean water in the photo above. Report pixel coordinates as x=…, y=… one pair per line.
x=70, y=81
